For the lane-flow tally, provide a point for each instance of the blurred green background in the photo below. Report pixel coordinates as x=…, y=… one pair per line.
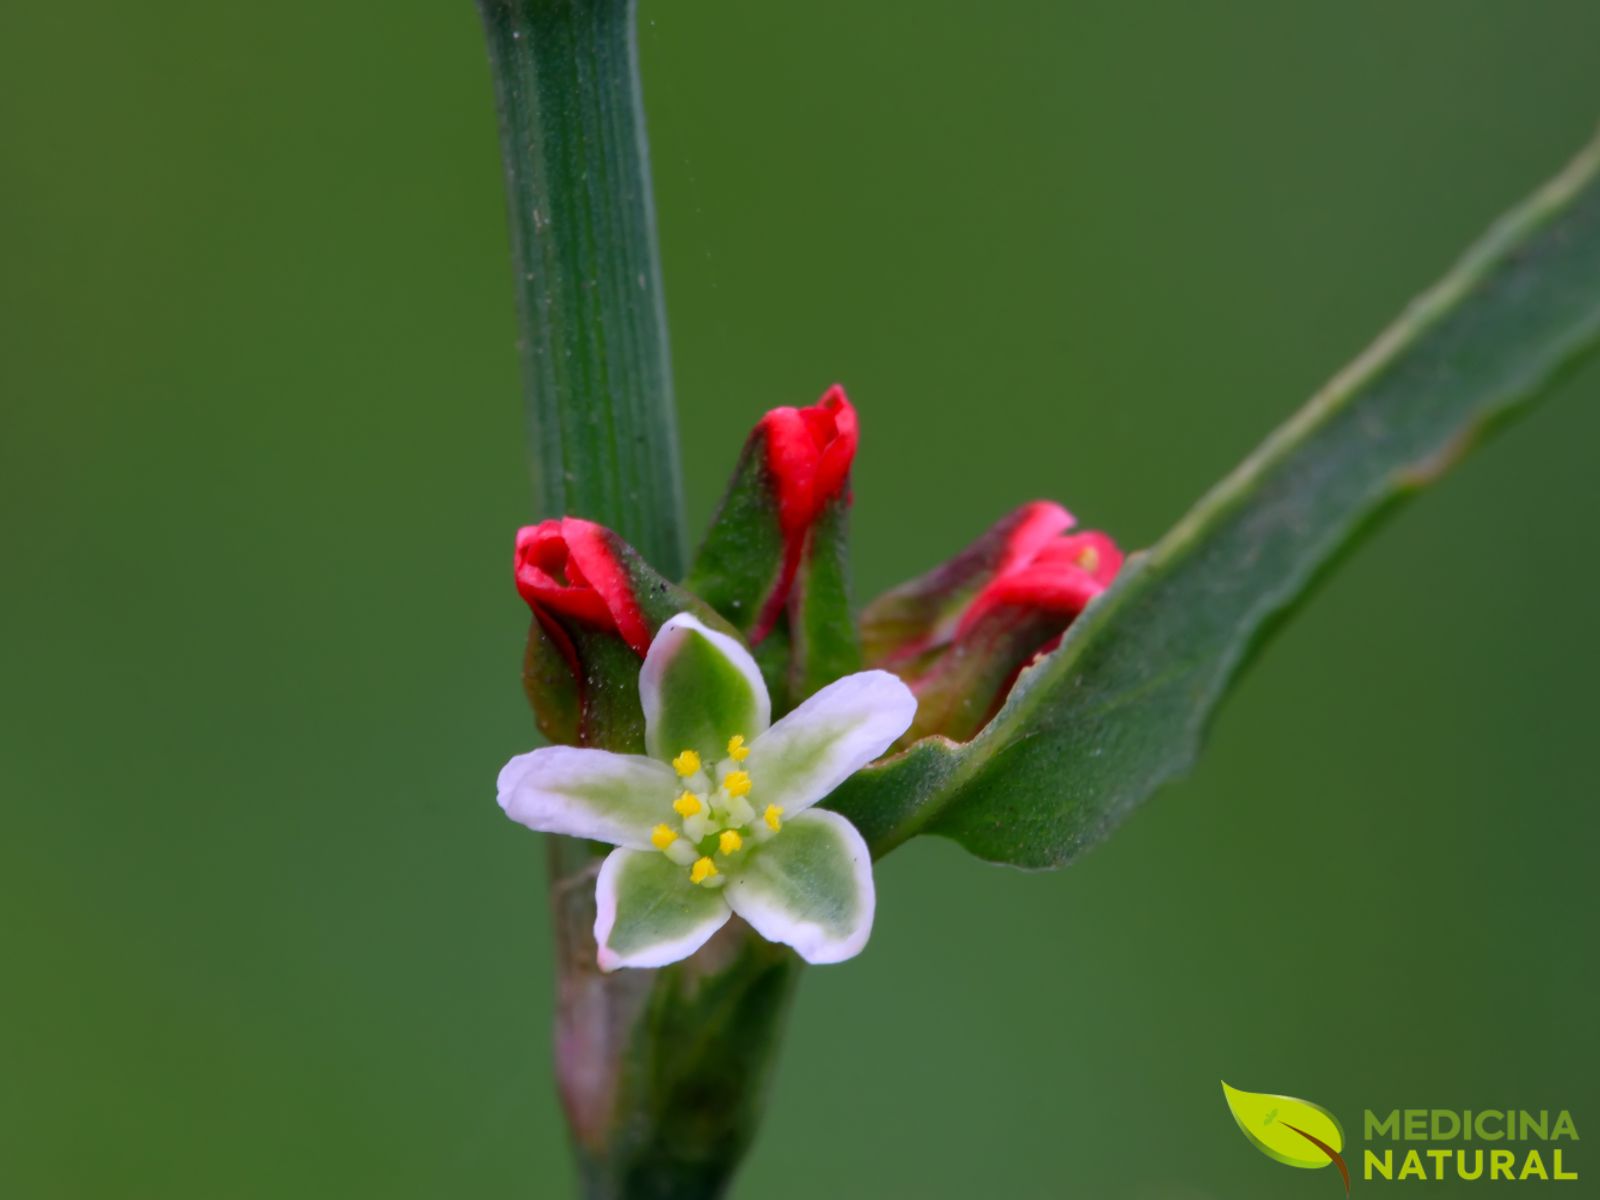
x=266, y=933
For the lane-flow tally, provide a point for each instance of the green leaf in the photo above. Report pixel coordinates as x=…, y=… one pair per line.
x=1121, y=706
x=1292, y=1131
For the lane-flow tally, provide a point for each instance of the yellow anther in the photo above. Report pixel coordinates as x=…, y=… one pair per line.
x=702, y=870
x=729, y=841
x=737, y=750
x=773, y=817
x=686, y=764
x=1089, y=558
x=663, y=836
x=737, y=783
x=687, y=805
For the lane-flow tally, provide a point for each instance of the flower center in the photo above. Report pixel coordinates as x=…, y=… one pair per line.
x=715, y=825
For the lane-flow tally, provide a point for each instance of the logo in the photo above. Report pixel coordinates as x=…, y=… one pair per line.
x=1421, y=1144
x=1293, y=1131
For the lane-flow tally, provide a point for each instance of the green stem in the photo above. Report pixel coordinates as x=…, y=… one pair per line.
x=662, y=1073
x=595, y=364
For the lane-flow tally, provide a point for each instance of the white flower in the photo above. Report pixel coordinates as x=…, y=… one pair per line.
x=719, y=818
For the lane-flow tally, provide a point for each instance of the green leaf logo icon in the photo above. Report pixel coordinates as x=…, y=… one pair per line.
x=1290, y=1130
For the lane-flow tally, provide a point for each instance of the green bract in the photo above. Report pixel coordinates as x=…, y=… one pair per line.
x=718, y=818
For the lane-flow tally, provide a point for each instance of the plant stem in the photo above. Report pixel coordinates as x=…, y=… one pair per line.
x=595, y=365
x=662, y=1073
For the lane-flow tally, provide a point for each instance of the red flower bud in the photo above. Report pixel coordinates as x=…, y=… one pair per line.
x=961, y=634
x=809, y=452
x=1060, y=576
x=596, y=606
x=773, y=563
x=566, y=569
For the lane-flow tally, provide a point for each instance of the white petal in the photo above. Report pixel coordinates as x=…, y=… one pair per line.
x=699, y=688
x=616, y=798
x=828, y=739
x=810, y=887
x=648, y=914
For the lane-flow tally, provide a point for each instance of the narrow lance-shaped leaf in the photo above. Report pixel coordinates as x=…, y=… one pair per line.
x=1120, y=707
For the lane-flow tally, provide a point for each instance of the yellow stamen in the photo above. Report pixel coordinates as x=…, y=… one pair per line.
x=737, y=750
x=737, y=783
x=663, y=836
x=702, y=870
x=687, y=805
x=773, y=817
x=729, y=841
x=1089, y=558
x=686, y=764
